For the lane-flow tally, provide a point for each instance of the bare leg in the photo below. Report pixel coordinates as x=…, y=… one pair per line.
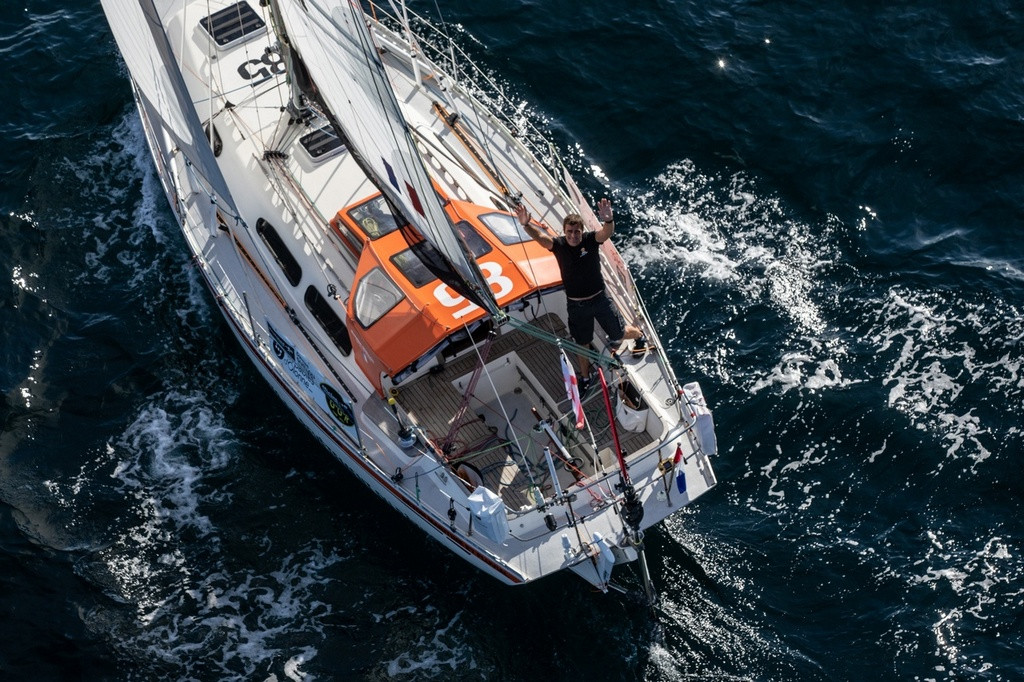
x=584, y=365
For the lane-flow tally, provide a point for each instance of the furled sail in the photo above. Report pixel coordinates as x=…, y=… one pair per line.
x=336, y=48
x=143, y=43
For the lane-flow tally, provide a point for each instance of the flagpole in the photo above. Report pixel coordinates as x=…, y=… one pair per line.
x=632, y=508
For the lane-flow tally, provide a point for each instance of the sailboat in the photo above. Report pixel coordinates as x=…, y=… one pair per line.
x=347, y=186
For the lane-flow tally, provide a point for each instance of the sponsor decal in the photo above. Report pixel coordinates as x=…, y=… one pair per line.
x=338, y=406
x=313, y=383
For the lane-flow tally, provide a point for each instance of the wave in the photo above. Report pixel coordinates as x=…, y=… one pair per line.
x=139, y=507
x=850, y=398
x=740, y=283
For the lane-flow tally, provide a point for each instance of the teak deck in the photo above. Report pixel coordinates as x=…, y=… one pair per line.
x=434, y=403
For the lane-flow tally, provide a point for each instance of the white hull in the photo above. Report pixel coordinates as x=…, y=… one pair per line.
x=268, y=309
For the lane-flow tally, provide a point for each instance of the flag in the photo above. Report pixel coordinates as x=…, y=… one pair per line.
x=681, y=475
x=572, y=390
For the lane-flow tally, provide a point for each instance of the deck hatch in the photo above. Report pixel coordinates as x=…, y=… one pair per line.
x=321, y=144
x=233, y=25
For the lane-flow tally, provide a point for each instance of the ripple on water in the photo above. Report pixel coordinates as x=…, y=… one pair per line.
x=824, y=370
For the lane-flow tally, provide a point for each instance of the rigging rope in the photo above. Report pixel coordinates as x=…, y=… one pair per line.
x=470, y=389
x=508, y=420
x=592, y=355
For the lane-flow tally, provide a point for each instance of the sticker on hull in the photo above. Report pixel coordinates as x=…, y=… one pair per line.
x=313, y=383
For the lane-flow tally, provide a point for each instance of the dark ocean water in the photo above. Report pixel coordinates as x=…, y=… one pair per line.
x=824, y=207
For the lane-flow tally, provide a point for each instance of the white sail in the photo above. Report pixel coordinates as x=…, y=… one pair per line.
x=140, y=36
x=336, y=47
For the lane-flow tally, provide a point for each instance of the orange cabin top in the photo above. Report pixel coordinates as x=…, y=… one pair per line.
x=399, y=311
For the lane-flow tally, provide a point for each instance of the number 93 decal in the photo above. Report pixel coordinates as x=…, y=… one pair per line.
x=500, y=285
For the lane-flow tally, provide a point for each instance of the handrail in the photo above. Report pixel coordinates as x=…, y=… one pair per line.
x=430, y=38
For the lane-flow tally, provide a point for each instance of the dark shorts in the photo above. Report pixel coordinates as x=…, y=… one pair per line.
x=583, y=313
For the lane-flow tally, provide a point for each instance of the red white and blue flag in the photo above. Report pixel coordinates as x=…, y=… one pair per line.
x=681, y=475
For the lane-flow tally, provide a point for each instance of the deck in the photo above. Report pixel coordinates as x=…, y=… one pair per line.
x=526, y=372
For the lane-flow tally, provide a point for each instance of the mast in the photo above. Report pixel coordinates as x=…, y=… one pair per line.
x=295, y=103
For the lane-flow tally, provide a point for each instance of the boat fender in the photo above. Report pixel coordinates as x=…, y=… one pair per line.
x=703, y=423
x=605, y=558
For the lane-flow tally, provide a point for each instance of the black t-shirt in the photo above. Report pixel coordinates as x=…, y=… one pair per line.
x=580, y=265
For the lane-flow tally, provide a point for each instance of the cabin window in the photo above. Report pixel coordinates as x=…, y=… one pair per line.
x=375, y=295
x=290, y=266
x=410, y=265
x=478, y=246
x=213, y=137
x=506, y=228
x=348, y=237
x=324, y=313
x=374, y=217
